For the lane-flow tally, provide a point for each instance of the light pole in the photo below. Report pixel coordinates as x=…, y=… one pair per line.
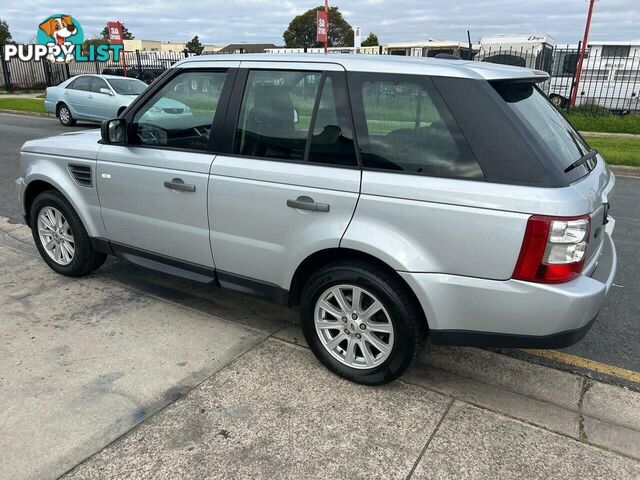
x=585, y=39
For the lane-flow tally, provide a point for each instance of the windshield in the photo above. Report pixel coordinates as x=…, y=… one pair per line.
x=125, y=86
x=563, y=142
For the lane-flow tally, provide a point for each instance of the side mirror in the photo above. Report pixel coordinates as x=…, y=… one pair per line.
x=106, y=91
x=114, y=132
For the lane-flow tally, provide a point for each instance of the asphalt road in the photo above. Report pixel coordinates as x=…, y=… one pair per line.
x=615, y=337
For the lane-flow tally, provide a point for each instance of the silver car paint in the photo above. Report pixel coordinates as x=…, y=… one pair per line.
x=48, y=159
x=439, y=225
x=449, y=239
x=253, y=231
x=139, y=211
x=454, y=302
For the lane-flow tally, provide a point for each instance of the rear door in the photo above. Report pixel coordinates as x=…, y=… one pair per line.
x=76, y=96
x=153, y=191
x=289, y=182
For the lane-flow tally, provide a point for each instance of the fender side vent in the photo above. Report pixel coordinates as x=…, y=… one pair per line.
x=81, y=174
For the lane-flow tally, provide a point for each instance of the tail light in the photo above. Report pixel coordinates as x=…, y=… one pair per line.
x=553, y=249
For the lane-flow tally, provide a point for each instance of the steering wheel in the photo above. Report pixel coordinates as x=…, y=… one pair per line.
x=150, y=134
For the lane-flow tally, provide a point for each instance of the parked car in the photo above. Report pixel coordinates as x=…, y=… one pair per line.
x=92, y=98
x=435, y=198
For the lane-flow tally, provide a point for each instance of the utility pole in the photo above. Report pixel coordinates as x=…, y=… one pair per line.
x=576, y=82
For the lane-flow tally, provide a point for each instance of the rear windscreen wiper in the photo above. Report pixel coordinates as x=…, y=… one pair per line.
x=583, y=159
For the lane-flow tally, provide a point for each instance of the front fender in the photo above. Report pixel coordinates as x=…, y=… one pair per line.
x=84, y=200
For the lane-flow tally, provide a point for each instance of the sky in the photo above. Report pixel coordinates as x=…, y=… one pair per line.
x=261, y=21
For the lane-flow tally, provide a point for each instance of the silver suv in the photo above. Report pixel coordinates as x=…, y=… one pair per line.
x=389, y=198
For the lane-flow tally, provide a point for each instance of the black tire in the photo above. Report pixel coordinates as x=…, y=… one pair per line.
x=406, y=316
x=68, y=121
x=85, y=259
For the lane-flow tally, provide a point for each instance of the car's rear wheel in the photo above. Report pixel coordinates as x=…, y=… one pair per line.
x=60, y=236
x=65, y=117
x=361, y=322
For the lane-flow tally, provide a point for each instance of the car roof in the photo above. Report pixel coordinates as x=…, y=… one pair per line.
x=379, y=64
x=108, y=77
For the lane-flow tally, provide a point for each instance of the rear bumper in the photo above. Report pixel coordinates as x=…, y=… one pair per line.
x=511, y=313
x=49, y=106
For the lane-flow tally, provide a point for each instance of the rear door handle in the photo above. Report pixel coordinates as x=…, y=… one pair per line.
x=179, y=185
x=306, y=203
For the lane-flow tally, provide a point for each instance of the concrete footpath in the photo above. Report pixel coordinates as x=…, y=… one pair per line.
x=132, y=374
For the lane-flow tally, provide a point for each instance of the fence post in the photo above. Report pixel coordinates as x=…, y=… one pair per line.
x=46, y=67
x=5, y=73
x=139, y=60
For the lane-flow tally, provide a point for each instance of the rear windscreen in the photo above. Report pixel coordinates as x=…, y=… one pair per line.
x=546, y=123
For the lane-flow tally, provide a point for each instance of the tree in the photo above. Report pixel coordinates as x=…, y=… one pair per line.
x=302, y=30
x=194, y=46
x=5, y=34
x=371, y=40
x=126, y=34
x=93, y=41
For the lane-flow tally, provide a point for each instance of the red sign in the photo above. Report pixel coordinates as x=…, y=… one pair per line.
x=323, y=26
x=115, y=32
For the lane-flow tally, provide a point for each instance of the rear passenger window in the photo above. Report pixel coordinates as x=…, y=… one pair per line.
x=295, y=116
x=403, y=125
x=332, y=138
x=81, y=83
x=276, y=114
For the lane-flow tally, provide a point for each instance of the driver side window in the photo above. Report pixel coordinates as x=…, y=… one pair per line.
x=181, y=113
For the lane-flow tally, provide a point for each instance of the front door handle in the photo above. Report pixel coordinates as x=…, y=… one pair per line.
x=306, y=203
x=179, y=185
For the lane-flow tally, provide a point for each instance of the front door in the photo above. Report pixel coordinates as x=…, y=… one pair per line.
x=289, y=184
x=153, y=191
x=102, y=105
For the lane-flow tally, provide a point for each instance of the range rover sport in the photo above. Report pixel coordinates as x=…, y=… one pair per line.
x=390, y=199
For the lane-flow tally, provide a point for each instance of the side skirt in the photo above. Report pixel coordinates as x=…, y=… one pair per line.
x=171, y=266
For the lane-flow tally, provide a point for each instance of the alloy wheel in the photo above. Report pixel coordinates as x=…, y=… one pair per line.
x=353, y=326
x=64, y=115
x=56, y=236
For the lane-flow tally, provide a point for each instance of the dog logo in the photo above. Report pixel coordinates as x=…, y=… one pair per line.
x=62, y=31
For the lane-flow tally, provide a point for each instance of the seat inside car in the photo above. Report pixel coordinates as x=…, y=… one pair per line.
x=270, y=123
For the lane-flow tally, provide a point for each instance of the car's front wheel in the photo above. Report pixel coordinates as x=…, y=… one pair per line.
x=65, y=117
x=60, y=236
x=361, y=322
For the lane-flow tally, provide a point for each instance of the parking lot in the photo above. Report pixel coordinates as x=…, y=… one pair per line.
x=130, y=373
